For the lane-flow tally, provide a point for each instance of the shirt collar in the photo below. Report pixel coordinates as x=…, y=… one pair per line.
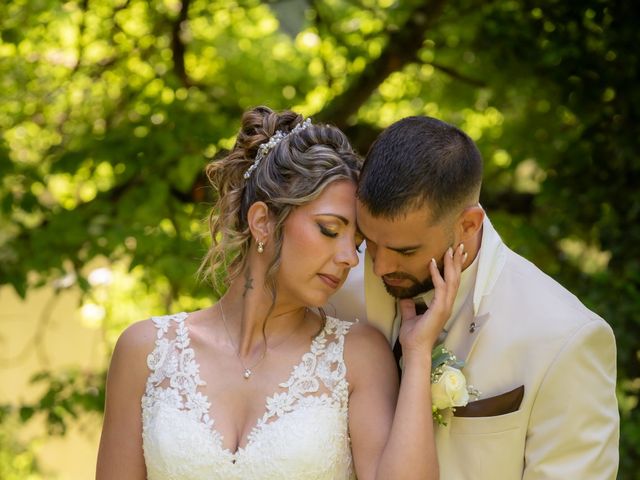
x=491, y=258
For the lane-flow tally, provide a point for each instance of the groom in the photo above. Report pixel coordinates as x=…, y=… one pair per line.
x=545, y=365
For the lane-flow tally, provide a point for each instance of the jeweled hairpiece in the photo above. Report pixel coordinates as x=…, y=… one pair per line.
x=276, y=138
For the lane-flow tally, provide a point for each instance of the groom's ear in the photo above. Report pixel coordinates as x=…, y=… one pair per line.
x=470, y=222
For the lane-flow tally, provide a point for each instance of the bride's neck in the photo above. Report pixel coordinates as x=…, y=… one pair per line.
x=249, y=311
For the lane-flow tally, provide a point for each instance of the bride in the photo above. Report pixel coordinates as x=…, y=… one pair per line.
x=263, y=384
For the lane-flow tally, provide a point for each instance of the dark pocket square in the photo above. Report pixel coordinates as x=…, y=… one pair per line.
x=493, y=406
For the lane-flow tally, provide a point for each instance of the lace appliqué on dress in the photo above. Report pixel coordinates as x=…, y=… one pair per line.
x=302, y=434
x=323, y=364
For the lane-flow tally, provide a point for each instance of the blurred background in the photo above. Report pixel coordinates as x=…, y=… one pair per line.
x=109, y=109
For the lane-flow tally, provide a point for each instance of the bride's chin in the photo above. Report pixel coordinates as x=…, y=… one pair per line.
x=318, y=301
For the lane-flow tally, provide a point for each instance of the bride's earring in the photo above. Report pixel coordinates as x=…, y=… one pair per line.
x=260, y=247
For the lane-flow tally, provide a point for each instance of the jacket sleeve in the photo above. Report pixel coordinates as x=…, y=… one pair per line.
x=574, y=424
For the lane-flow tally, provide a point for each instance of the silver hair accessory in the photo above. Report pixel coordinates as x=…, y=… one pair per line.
x=276, y=138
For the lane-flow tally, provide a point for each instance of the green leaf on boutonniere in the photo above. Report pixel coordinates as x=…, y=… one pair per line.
x=441, y=356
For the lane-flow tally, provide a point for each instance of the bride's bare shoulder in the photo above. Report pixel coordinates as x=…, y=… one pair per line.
x=367, y=351
x=364, y=335
x=129, y=359
x=137, y=337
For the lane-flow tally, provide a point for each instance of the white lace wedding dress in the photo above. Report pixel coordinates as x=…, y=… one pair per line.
x=303, y=433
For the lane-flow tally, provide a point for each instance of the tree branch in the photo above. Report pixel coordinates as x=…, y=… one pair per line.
x=402, y=48
x=457, y=75
x=84, y=6
x=177, y=45
x=37, y=339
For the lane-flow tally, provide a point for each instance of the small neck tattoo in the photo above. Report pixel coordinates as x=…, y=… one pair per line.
x=248, y=283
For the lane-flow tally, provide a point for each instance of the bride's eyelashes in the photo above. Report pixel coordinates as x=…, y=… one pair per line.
x=325, y=231
x=331, y=234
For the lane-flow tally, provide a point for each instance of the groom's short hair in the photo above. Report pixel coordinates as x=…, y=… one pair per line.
x=420, y=161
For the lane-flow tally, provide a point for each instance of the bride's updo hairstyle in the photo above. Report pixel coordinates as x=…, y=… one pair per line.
x=291, y=174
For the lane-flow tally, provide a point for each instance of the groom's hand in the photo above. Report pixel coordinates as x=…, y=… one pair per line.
x=418, y=333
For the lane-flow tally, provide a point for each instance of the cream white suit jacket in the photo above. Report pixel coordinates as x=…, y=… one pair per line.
x=522, y=328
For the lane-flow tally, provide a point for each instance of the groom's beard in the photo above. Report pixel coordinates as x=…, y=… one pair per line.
x=417, y=286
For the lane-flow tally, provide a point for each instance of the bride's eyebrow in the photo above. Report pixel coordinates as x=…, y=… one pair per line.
x=339, y=217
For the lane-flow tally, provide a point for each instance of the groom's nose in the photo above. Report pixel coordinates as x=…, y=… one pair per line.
x=383, y=262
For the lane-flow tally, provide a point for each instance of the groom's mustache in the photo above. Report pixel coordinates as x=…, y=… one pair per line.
x=417, y=286
x=400, y=276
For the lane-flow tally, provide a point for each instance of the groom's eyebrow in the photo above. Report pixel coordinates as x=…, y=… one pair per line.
x=395, y=249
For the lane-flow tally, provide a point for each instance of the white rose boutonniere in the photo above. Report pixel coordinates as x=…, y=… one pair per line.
x=450, y=390
x=449, y=387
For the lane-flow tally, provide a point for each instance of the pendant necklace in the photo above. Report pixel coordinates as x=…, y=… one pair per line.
x=248, y=371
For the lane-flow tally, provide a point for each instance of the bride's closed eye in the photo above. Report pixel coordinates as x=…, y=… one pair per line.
x=327, y=231
x=358, y=239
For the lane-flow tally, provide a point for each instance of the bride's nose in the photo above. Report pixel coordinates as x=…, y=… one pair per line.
x=347, y=254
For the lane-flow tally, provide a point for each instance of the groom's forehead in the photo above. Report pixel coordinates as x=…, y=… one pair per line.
x=408, y=224
x=416, y=215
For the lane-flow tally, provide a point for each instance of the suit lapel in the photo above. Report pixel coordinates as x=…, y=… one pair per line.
x=464, y=334
x=475, y=313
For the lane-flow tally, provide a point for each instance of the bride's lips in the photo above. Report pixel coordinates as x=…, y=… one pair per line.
x=330, y=280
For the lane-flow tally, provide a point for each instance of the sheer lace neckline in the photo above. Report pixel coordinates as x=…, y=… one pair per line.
x=175, y=361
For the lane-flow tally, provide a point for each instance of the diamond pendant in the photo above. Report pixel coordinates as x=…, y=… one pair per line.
x=247, y=373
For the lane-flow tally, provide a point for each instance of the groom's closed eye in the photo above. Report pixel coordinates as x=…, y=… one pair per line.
x=405, y=252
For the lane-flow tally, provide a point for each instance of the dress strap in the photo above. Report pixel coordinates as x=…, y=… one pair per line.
x=163, y=323
x=323, y=364
x=174, y=370
x=163, y=360
x=332, y=369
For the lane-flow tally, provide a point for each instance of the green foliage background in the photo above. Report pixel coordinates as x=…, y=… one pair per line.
x=109, y=110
